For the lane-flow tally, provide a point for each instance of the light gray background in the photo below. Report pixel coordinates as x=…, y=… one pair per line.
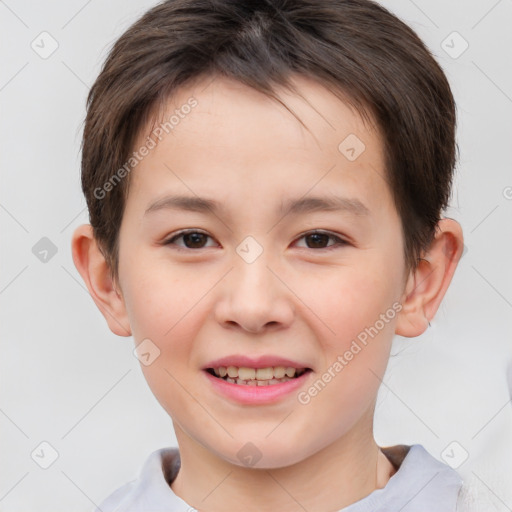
x=68, y=381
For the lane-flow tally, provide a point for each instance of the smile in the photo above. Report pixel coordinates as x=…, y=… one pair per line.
x=246, y=376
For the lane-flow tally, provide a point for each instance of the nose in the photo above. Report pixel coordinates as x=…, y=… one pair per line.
x=254, y=298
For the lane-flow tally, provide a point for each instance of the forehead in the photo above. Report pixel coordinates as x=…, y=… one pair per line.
x=235, y=137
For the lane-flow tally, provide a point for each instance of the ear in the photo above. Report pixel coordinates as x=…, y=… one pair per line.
x=427, y=284
x=92, y=266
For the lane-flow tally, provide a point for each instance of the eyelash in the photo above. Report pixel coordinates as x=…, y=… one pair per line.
x=339, y=241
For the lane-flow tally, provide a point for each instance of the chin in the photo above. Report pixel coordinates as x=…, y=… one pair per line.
x=265, y=454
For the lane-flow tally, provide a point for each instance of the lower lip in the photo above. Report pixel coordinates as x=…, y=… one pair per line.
x=251, y=395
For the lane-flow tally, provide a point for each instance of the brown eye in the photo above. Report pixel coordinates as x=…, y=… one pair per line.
x=321, y=240
x=194, y=240
x=317, y=240
x=191, y=240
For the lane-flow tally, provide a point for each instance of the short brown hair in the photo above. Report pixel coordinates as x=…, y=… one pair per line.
x=356, y=48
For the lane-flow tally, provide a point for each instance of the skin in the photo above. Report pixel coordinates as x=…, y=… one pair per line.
x=297, y=300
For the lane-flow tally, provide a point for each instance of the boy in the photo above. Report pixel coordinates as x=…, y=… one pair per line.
x=265, y=182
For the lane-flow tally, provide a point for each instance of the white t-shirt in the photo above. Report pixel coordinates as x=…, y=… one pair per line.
x=421, y=484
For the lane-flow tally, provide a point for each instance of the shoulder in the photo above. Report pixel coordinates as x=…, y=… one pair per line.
x=421, y=482
x=116, y=499
x=415, y=461
x=151, y=490
x=460, y=494
x=474, y=496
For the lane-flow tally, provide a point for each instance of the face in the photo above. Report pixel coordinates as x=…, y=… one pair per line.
x=249, y=241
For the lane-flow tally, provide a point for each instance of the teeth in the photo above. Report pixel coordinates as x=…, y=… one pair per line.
x=270, y=382
x=290, y=372
x=233, y=372
x=279, y=372
x=264, y=373
x=258, y=377
x=247, y=373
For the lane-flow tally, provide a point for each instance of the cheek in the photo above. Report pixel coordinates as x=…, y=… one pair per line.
x=161, y=311
x=351, y=299
x=167, y=307
x=358, y=307
x=159, y=298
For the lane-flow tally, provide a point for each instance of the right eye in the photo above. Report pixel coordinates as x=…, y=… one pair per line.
x=192, y=239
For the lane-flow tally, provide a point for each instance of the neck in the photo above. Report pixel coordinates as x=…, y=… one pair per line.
x=332, y=478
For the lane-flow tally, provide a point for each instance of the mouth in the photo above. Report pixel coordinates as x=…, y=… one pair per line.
x=248, y=376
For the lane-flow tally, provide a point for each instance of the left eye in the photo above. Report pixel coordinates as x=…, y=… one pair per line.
x=319, y=239
x=198, y=240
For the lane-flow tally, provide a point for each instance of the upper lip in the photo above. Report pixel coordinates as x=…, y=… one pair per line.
x=265, y=361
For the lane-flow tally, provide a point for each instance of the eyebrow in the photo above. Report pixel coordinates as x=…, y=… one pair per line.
x=291, y=206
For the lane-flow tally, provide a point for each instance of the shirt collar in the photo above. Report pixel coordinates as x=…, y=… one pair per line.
x=420, y=483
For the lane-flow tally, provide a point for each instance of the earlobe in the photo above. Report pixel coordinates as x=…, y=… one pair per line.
x=428, y=283
x=92, y=266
